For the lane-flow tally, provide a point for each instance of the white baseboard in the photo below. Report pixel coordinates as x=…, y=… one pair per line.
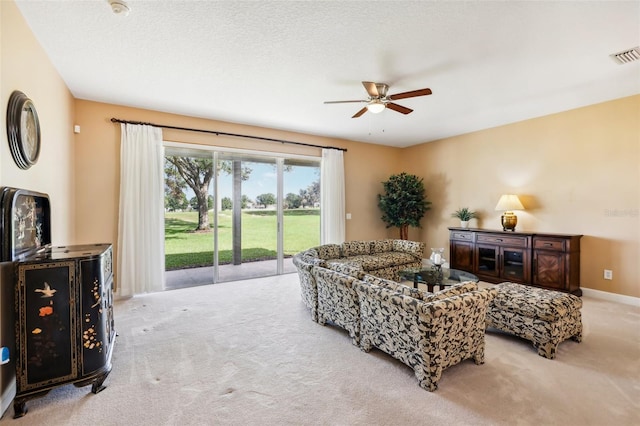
x=611, y=297
x=7, y=397
x=596, y=294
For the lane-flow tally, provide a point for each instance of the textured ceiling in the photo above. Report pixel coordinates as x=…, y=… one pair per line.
x=273, y=63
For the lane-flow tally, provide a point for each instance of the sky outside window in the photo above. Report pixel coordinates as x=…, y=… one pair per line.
x=263, y=179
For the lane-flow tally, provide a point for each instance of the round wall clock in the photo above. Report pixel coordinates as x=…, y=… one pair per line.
x=23, y=130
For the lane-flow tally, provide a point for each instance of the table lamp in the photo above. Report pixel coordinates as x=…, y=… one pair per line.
x=507, y=203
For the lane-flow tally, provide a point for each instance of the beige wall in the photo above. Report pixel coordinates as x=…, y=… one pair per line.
x=577, y=172
x=26, y=67
x=97, y=166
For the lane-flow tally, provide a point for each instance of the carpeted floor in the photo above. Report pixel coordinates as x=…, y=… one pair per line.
x=247, y=353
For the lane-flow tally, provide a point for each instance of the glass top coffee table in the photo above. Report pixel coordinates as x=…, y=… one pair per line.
x=436, y=276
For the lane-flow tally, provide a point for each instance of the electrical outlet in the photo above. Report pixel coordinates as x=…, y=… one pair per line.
x=608, y=274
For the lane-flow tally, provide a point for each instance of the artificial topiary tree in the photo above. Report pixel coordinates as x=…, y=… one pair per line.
x=404, y=202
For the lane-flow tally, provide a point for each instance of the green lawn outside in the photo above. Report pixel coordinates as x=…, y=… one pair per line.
x=185, y=248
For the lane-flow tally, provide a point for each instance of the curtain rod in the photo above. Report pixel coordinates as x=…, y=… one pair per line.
x=217, y=133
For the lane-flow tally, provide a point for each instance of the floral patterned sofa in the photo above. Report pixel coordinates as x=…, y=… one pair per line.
x=427, y=331
x=338, y=300
x=382, y=258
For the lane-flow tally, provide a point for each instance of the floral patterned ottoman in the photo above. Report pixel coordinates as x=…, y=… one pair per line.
x=545, y=317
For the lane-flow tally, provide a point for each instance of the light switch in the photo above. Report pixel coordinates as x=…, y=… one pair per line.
x=348, y=216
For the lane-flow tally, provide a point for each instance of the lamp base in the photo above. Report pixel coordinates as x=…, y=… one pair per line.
x=509, y=221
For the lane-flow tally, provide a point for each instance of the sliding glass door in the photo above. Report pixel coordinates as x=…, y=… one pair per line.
x=258, y=211
x=248, y=216
x=188, y=218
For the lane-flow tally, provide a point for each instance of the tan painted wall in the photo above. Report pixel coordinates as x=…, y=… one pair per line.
x=26, y=67
x=98, y=155
x=577, y=172
x=549, y=161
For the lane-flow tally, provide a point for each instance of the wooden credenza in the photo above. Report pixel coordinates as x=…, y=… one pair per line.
x=550, y=261
x=64, y=321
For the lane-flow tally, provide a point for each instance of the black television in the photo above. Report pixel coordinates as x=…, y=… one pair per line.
x=25, y=223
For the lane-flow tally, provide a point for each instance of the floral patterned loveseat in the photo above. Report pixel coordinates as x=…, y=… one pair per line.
x=381, y=258
x=427, y=331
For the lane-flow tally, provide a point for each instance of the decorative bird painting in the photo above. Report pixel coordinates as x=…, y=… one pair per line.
x=47, y=291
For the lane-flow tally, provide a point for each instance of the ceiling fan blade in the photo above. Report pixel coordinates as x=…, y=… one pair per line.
x=411, y=94
x=371, y=89
x=398, y=108
x=342, y=102
x=359, y=113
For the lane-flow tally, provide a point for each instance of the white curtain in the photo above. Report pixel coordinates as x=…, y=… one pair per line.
x=332, y=198
x=141, y=221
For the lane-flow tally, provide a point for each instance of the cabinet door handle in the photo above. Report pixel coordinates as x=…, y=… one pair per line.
x=548, y=244
x=499, y=239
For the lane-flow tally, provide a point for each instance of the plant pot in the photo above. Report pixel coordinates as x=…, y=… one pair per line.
x=464, y=223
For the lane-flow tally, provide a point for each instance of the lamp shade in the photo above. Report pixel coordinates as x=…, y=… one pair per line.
x=509, y=202
x=375, y=106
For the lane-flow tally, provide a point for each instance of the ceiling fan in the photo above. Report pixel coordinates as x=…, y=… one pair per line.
x=378, y=99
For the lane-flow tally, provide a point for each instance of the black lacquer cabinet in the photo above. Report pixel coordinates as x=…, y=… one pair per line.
x=64, y=320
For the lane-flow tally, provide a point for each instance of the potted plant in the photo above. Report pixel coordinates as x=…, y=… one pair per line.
x=404, y=202
x=465, y=215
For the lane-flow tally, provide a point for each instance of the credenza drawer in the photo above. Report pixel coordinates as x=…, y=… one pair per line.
x=461, y=236
x=502, y=240
x=549, y=244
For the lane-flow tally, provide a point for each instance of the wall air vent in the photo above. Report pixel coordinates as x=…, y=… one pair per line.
x=627, y=56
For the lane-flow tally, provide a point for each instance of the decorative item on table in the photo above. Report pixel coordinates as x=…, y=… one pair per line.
x=437, y=258
x=507, y=203
x=465, y=215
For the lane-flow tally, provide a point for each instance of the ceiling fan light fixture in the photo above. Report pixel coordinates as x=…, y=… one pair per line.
x=375, y=106
x=378, y=100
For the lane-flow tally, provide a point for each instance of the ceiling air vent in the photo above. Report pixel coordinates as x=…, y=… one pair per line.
x=627, y=56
